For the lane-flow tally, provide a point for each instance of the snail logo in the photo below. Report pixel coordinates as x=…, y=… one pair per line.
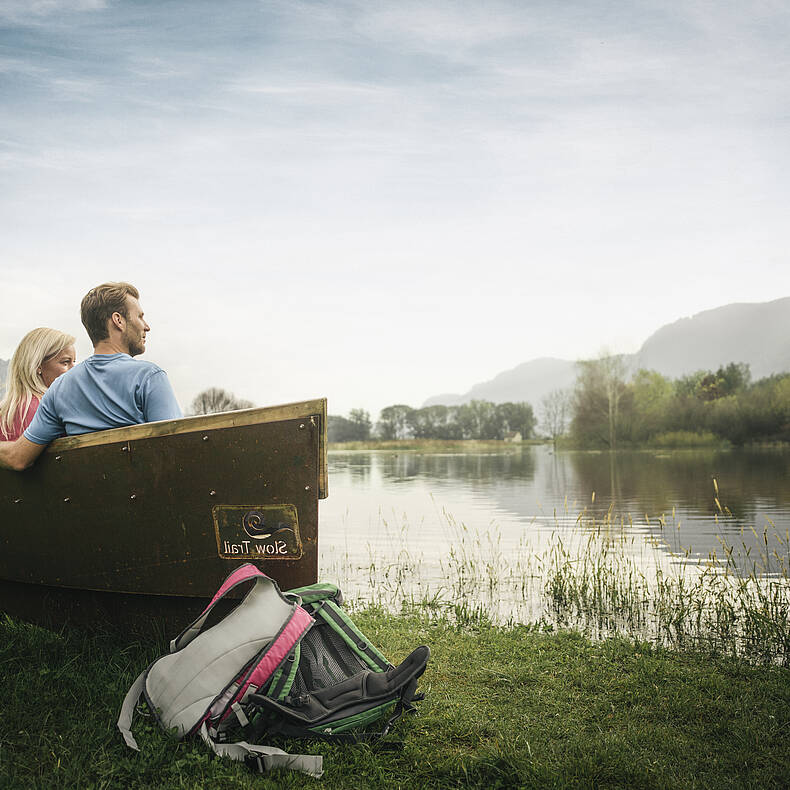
x=255, y=525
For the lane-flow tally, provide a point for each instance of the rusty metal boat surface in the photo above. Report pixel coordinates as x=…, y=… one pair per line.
x=143, y=523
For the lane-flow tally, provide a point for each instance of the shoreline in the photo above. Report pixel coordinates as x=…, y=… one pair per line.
x=478, y=445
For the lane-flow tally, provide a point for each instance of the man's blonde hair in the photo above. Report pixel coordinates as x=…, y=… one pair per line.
x=100, y=303
x=24, y=381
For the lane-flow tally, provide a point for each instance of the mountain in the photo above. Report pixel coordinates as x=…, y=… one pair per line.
x=755, y=333
x=758, y=334
x=530, y=382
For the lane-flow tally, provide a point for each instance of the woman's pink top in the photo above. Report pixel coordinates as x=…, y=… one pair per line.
x=21, y=421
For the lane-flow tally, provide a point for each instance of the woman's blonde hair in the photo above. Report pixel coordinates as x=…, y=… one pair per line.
x=23, y=380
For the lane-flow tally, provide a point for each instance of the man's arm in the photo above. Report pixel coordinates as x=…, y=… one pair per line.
x=159, y=401
x=20, y=454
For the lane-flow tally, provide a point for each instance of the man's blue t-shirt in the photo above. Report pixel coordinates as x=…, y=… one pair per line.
x=104, y=391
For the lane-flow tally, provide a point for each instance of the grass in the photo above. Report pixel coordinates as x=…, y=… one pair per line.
x=719, y=606
x=505, y=708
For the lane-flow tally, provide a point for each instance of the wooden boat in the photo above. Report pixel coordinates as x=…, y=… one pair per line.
x=140, y=525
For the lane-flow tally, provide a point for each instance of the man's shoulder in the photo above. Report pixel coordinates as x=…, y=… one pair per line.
x=139, y=367
x=144, y=365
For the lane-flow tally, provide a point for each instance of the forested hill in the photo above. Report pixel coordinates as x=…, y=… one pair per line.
x=757, y=334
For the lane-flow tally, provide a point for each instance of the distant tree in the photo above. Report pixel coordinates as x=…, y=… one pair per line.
x=424, y=423
x=555, y=412
x=478, y=420
x=215, y=399
x=729, y=380
x=339, y=429
x=614, y=372
x=433, y=422
x=600, y=388
x=361, y=420
x=709, y=387
x=652, y=395
x=517, y=418
x=735, y=377
x=354, y=428
x=687, y=386
x=394, y=422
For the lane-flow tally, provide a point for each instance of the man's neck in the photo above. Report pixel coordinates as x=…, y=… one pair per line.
x=110, y=346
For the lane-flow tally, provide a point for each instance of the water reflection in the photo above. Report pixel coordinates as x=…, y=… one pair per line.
x=678, y=489
x=400, y=501
x=394, y=467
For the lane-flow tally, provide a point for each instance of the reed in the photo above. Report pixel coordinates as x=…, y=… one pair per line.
x=603, y=575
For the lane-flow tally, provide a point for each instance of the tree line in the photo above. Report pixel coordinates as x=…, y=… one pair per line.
x=608, y=407
x=475, y=420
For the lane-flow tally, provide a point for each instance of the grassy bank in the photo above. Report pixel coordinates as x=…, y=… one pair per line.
x=435, y=445
x=506, y=708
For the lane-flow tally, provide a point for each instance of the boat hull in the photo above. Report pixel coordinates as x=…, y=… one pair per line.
x=153, y=517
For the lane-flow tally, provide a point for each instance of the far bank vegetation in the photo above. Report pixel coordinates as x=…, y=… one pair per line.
x=609, y=407
x=479, y=420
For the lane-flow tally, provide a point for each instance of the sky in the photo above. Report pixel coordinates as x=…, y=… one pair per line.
x=377, y=202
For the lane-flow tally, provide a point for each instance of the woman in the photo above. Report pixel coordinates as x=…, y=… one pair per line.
x=41, y=356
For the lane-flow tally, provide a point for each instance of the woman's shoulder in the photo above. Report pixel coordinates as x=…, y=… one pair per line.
x=22, y=419
x=31, y=409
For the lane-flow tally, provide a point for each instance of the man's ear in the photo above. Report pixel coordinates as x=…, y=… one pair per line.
x=118, y=321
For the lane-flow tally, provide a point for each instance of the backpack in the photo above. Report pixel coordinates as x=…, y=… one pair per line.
x=286, y=665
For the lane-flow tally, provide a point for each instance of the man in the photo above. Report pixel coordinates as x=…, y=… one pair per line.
x=109, y=389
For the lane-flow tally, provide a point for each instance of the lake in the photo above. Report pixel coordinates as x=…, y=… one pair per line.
x=401, y=524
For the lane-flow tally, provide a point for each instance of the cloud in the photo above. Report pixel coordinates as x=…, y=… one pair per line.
x=326, y=90
x=20, y=66
x=449, y=26
x=21, y=12
x=76, y=89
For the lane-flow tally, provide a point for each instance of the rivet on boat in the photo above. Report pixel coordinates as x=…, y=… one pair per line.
x=212, y=492
x=133, y=496
x=307, y=488
x=17, y=501
x=125, y=448
x=301, y=427
x=66, y=499
x=57, y=458
x=205, y=438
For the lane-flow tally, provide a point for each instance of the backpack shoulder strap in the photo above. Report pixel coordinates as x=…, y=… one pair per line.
x=265, y=758
x=315, y=593
x=242, y=574
x=127, y=710
x=340, y=622
x=283, y=678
